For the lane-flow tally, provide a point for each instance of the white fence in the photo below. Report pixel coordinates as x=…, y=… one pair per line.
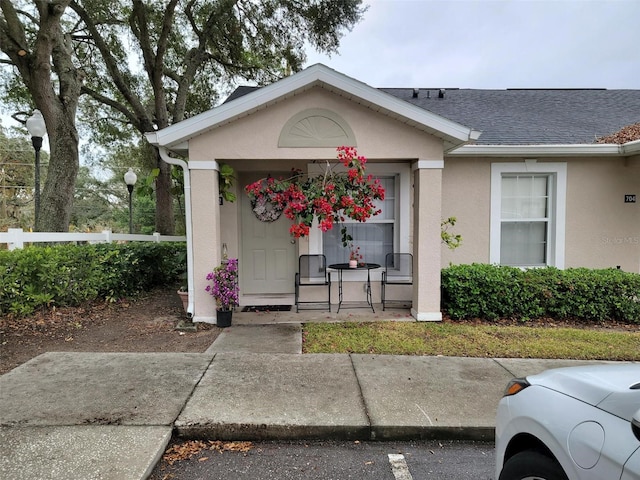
x=16, y=237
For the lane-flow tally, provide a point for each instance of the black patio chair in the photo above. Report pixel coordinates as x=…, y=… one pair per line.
x=312, y=272
x=398, y=270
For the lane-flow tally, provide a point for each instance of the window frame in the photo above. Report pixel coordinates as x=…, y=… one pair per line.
x=403, y=208
x=557, y=186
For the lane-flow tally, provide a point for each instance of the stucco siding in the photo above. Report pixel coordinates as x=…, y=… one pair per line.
x=466, y=195
x=427, y=255
x=206, y=229
x=602, y=230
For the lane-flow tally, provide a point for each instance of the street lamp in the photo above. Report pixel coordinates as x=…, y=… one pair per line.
x=130, y=179
x=37, y=129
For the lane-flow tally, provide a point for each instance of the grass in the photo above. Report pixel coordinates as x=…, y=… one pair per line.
x=464, y=340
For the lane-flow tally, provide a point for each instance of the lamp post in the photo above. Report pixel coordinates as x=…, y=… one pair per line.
x=130, y=179
x=37, y=129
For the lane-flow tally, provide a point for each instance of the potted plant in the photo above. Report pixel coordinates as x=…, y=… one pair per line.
x=224, y=288
x=183, y=293
x=355, y=257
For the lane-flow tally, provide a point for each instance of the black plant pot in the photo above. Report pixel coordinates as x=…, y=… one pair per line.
x=223, y=318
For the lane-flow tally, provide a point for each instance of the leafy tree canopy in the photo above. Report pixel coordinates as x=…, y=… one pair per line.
x=147, y=64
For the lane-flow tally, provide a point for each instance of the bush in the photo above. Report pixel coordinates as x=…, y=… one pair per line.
x=67, y=275
x=490, y=292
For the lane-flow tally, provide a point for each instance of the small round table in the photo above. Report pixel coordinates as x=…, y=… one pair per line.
x=341, y=267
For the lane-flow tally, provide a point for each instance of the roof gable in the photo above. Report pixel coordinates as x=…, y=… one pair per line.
x=452, y=133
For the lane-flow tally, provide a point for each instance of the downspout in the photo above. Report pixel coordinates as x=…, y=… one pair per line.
x=164, y=155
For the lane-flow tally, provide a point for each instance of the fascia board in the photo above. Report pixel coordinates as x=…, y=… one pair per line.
x=315, y=75
x=536, y=150
x=152, y=138
x=631, y=148
x=179, y=148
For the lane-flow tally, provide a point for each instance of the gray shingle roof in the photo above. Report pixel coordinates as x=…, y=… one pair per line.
x=523, y=117
x=526, y=116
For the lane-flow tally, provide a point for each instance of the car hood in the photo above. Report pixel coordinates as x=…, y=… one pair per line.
x=614, y=388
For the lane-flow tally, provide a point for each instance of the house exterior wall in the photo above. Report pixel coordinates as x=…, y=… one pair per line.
x=204, y=196
x=466, y=195
x=427, y=215
x=250, y=144
x=601, y=230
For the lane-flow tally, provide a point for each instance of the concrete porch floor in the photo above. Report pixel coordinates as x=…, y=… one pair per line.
x=360, y=314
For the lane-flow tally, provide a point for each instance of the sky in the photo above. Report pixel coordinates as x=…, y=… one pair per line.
x=493, y=44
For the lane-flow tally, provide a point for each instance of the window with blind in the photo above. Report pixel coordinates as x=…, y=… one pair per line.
x=528, y=202
x=524, y=212
x=375, y=237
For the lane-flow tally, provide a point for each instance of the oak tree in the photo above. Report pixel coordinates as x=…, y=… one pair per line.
x=148, y=64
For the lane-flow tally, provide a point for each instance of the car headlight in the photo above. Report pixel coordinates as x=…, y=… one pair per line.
x=516, y=385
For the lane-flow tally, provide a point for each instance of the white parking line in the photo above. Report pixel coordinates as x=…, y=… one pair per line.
x=399, y=467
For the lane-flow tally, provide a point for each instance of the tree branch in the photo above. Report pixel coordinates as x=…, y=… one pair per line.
x=13, y=41
x=141, y=115
x=131, y=117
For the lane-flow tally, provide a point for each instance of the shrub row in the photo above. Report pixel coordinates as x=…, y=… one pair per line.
x=491, y=292
x=67, y=275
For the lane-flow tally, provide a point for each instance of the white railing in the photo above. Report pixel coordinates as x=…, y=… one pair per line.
x=16, y=237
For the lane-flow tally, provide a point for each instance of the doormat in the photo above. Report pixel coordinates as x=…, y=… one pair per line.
x=267, y=308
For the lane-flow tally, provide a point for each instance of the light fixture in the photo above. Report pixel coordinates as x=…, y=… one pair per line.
x=37, y=129
x=130, y=178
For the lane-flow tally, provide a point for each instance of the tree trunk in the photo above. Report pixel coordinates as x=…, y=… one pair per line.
x=48, y=72
x=56, y=202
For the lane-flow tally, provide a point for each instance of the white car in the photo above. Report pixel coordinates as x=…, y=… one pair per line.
x=576, y=423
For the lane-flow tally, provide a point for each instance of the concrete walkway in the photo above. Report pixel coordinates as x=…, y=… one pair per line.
x=111, y=415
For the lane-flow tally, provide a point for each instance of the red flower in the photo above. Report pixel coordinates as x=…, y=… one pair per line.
x=330, y=197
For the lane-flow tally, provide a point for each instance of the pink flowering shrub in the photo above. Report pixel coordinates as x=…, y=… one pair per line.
x=224, y=284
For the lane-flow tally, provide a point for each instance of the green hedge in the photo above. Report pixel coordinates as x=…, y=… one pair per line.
x=68, y=275
x=491, y=292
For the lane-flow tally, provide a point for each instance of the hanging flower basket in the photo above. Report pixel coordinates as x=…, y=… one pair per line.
x=330, y=197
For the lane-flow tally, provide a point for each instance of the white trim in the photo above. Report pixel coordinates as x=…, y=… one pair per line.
x=426, y=316
x=631, y=148
x=203, y=319
x=539, y=150
x=556, y=251
x=324, y=77
x=204, y=165
x=427, y=164
x=315, y=241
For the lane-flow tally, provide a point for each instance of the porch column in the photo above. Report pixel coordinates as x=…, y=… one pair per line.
x=427, y=214
x=207, y=252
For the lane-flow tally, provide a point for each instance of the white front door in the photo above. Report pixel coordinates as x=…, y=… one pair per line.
x=268, y=254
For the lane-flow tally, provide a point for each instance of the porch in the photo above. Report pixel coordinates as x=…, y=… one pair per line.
x=297, y=123
x=323, y=316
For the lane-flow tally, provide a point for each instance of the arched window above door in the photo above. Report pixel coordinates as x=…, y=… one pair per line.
x=316, y=127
